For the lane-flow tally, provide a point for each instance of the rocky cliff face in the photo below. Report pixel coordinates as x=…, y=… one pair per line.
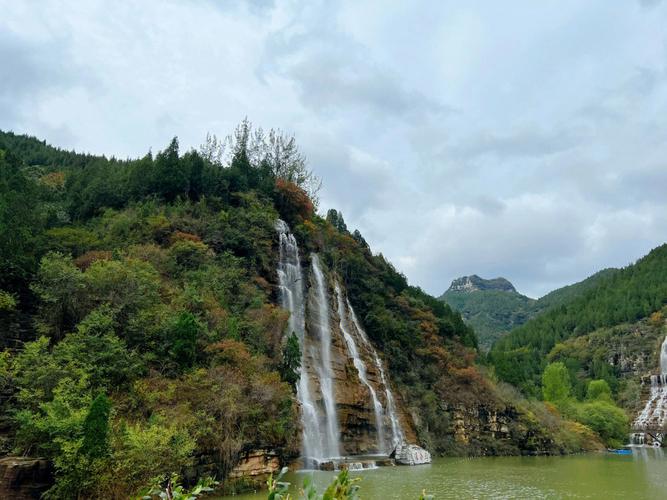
x=23, y=478
x=354, y=404
x=475, y=283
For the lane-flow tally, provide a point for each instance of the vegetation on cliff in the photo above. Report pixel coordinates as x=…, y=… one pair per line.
x=141, y=335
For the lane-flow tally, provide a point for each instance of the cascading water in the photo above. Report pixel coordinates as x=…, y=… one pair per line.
x=310, y=321
x=332, y=442
x=361, y=368
x=396, y=430
x=291, y=298
x=654, y=415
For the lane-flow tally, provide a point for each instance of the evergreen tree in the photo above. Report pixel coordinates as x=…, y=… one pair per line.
x=171, y=178
x=96, y=428
x=291, y=362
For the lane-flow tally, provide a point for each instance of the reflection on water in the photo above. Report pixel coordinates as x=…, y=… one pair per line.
x=642, y=475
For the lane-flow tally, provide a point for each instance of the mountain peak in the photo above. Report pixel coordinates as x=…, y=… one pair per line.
x=475, y=283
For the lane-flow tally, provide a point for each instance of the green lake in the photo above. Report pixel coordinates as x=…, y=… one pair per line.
x=642, y=475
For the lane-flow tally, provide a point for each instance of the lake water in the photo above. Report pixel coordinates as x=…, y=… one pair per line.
x=642, y=475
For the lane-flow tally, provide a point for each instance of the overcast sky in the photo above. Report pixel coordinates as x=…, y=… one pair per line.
x=520, y=139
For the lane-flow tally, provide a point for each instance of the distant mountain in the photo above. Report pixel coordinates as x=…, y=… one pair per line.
x=474, y=283
x=493, y=307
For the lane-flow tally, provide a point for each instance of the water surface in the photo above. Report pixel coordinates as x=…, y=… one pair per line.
x=642, y=475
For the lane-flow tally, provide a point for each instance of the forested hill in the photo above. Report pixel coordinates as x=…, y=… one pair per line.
x=616, y=297
x=140, y=328
x=494, y=307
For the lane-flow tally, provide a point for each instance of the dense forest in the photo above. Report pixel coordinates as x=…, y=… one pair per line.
x=141, y=334
x=623, y=296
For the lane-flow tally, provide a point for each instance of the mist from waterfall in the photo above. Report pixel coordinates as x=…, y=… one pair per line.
x=290, y=279
x=323, y=368
x=361, y=368
x=396, y=429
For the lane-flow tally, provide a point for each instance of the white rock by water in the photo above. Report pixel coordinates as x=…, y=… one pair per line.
x=411, y=454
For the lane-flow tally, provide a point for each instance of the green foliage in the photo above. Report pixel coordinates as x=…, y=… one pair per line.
x=620, y=296
x=342, y=488
x=171, y=489
x=183, y=340
x=291, y=362
x=606, y=419
x=7, y=301
x=96, y=428
x=20, y=223
x=556, y=385
x=598, y=390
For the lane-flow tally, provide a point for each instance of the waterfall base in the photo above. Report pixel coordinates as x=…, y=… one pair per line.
x=354, y=463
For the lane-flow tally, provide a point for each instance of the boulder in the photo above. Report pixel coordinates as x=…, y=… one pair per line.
x=411, y=454
x=24, y=478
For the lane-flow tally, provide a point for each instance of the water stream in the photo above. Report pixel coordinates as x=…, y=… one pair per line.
x=290, y=279
x=361, y=368
x=396, y=430
x=316, y=392
x=324, y=371
x=654, y=415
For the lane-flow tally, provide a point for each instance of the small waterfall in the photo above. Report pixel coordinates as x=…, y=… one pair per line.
x=332, y=448
x=361, y=368
x=396, y=430
x=291, y=298
x=654, y=414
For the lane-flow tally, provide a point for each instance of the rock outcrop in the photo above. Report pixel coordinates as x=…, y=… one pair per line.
x=475, y=283
x=479, y=423
x=256, y=465
x=24, y=478
x=411, y=454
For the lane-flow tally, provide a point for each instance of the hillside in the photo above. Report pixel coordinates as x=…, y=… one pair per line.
x=494, y=307
x=617, y=297
x=145, y=329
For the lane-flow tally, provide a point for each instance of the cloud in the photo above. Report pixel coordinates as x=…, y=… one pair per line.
x=335, y=73
x=29, y=71
x=460, y=138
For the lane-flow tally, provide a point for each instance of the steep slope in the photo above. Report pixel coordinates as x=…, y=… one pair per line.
x=494, y=307
x=623, y=296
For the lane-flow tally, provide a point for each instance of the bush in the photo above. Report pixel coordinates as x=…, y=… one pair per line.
x=609, y=421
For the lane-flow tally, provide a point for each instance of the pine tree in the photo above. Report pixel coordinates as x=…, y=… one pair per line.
x=96, y=428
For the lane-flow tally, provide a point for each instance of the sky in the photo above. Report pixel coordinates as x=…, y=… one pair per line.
x=519, y=139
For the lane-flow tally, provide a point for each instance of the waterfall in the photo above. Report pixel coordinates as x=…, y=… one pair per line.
x=654, y=414
x=396, y=430
x=361, y=368
x=324, y=370
x=291, y=298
